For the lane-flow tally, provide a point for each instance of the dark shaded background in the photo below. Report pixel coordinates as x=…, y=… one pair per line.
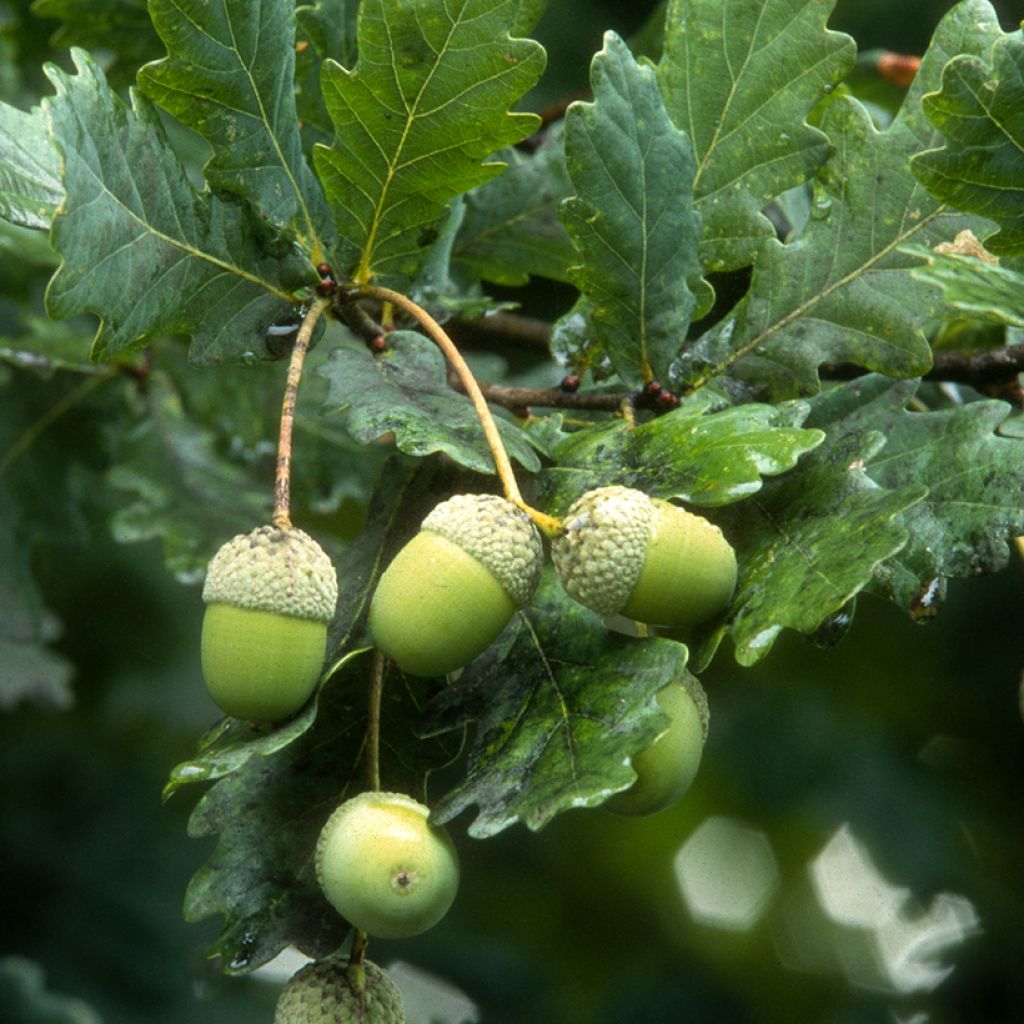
x=908, y=737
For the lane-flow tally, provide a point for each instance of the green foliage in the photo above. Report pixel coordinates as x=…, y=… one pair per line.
x=982, y=290
x=30, y=187
x=134, y=235
x=511, y=229
x=631, y=219
x=719, y=74
x=405, y=391
x=229, y=75
x=426, y=102
x=703, y=457
x=980, y=165
x=843, y=291
x=559, y=704
x=190, y=214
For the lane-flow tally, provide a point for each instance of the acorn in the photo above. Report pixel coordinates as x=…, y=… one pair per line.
x=453, y=588
x=623, y=553
x=269, y=595
x=666, y=769
x=384, y=867
x=333, y=991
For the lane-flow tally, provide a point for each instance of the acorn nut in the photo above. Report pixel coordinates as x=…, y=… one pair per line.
x=453, y=588
x=333, y=991
x=623, y=553
x=666, y=769
x=269, y=595
x=384, y=867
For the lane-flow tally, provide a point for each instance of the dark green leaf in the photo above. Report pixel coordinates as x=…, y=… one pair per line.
x=404, y=496
x=704, y=458
x=229, y=74
x=141, y=248
x=45, y=345
x=980, y=166
x=810, y=541
x=720, y=75
x=268, y=813
x=405, y=391
x=329, y=29
x=632, y=219
x=30, y=188
x=843, y=291
x=120, y=27
x=30, y=673
x=560, y=704
x=427, y=101
x=185, y=492
x=979, y=289
x=511, y=228
x=975, y=482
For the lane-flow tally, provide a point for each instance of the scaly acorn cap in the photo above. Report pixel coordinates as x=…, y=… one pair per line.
x=269, y=596
x=333, y=991
x=497, y=534
x=623, y=552
x=451, y=590
x=601, y=552
x=274, y=570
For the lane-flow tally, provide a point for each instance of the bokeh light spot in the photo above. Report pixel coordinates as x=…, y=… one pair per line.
x=727, y=874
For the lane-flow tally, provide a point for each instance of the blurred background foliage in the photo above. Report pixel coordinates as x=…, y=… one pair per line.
x=850, y=851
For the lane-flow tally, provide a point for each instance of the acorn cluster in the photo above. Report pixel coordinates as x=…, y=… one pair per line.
x=442, y=601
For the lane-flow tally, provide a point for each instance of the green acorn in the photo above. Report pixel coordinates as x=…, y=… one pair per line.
x=623, y=553
x=384, y=867
x=269, y=595
x=453, y=588
x=333, y=991
x=666, y=769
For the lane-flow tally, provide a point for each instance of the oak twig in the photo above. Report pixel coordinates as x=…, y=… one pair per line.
x=283, y=473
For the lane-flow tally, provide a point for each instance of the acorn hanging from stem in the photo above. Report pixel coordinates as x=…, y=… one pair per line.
x=622, y=552
x=269, y=595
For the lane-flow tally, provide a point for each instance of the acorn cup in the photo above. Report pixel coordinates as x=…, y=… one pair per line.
x=269, y=595
x=452, y=589
x=623, y=553
x=666, y=769
x=333, y=991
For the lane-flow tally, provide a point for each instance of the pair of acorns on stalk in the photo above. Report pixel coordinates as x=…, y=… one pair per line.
x=442, y=601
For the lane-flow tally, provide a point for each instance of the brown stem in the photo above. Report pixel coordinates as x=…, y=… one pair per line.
x=373, y=720
x=502, y=463
x=503, y=327
x=283, y=474
x=519, y=400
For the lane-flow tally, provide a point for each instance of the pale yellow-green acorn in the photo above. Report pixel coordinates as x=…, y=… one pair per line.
x=333, y=991
x=623, y=553
x=269, y=595
x=384, y=867
x=453, y=588
x=666, y=769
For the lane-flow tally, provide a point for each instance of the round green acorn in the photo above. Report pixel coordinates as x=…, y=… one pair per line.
x=453, y=588
x=269, y=595
x=384, y=867
x=623, y=553
x=333, y=991
x=665, y=770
